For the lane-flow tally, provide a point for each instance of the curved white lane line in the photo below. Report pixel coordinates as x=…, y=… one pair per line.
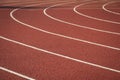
x=59, y=55
x=116, y=13
x=16, y=73
x=77, y=25
x=60, y=35
x=91, y=17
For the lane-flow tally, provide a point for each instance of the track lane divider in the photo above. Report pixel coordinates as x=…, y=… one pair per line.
x=16, y=73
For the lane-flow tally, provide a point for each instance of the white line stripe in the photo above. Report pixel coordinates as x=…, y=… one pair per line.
x=21, y=3
x=60, y=35
x=44, y=3
x=108, y=9
x=15, y=73
x=77, y=25
x=57, y=54
x=75, y=10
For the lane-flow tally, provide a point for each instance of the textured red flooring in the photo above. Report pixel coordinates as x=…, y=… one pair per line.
x=43, y=66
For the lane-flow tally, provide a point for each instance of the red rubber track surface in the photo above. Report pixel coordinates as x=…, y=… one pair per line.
x=43, y=66
x=114, y=7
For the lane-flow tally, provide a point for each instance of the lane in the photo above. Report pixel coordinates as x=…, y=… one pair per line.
x=45, y=66
x=81, y=50
x=114, y=19
x=22, y=3
x=113, y=5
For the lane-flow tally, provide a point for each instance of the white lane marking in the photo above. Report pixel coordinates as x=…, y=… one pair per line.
x=77, y=25
x=15, y=73
x=21, y=3
x=60, y=55
x=30, y=5
x=116, y=13
x=60, y=35
x=91, y=17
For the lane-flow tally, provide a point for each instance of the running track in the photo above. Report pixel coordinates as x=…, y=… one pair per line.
x=60, y=40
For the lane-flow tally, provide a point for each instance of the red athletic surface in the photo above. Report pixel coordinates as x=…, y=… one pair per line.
x=43, y=66
x=114, y=7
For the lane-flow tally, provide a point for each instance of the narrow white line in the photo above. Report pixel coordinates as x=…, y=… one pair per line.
x=77, y=25
x=60, y=35
x=57, y=54
x=16, y=73
x=44, y=3
x=116, y=13
x=21, y=3
x=75, y=10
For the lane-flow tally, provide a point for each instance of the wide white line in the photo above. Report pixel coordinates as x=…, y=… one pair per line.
x=15, y=73
x=60, y=55
x=77, y=25
x=60, y=35
x=91, y=17
x=116, y=13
